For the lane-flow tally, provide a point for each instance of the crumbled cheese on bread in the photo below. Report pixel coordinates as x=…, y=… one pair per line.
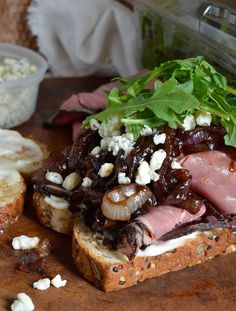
x=123, y=180
x=157, y=159
x=146, y=131
x=106, y=169
x=175, y=165
x=159, y=138
x=189, y=123
x=204, y=118
x=54, y=177
x=86, y=182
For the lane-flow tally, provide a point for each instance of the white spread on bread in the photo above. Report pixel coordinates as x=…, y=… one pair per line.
x=56, y=202
x=166, y=246
x=10, y=185
x=18, y=152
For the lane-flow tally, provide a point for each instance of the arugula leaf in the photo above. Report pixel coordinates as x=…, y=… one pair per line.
x=168, y=102
x=167, y=94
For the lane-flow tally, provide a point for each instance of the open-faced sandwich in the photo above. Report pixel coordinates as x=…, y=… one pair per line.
x=20, y=157
x=151, y=180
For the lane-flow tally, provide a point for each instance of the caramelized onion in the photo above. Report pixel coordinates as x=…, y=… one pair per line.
x=120, y=202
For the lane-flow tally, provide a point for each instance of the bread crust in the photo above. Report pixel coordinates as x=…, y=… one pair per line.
x=111, y=271
x=60, y=220
x=10, y=212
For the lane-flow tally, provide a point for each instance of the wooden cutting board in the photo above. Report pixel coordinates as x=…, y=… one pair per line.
x=210, y=286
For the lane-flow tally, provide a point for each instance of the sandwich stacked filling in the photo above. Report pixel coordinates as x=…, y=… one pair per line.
x=153, y=190
x=157, y=164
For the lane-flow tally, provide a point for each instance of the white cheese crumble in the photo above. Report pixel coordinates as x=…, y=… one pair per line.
x=86, y=182
x=106, y=169
x=189, y=123
x=95, y=151
x=111, y=128
x=146, y=131
x=123, y=180
x=157, y=159
x=17, y=104
x=54, y=177
x=124, y=142
x=42, y=284
x=22, y=303
x=64, y=167
x=159, y=138
x=204, y=118
x=94, y=124
x=24, y=242
x=175, y=165
x=12, y=69
x=145, y=174
x=71, y=181
x=58, y=282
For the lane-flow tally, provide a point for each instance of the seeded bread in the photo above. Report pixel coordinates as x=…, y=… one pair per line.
x=13, y=177
x=110, y=271
x=12, y=195
x=60, y=220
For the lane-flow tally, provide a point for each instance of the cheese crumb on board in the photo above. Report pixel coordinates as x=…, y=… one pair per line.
x=42, y=284
x=22, y=303
x=58, y=282
x=24, y=242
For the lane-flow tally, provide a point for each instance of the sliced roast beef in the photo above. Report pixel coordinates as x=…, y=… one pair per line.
x=149, y=227
x=214, y=177
x=76, y=107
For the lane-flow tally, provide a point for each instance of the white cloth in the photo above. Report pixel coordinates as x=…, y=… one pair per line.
x=83, y=37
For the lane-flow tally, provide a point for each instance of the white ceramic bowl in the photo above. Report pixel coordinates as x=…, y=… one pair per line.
x=18, y=97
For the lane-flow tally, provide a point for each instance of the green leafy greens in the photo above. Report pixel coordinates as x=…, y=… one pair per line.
x=181, y=87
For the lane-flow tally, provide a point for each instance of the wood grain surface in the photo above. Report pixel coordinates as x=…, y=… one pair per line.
x=210, y=286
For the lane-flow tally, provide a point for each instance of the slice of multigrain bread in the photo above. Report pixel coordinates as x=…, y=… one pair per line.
x=110, y=271
x=20, y=157
x=12, y=193
x=58, y=218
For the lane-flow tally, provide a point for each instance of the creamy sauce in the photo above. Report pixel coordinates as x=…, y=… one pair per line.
x=18, y=152
x=9, y=176
x=56, y=202
x=166, y=246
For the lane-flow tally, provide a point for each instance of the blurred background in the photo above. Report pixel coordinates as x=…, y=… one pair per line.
x=108, y=37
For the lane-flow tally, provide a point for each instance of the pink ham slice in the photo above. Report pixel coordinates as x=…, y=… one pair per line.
x=164, y=218
x=214, y=177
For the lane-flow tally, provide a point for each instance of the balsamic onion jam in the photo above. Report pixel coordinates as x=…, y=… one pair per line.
x=172, y=187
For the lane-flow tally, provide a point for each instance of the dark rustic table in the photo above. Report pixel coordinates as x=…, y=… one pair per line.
x=210, y=286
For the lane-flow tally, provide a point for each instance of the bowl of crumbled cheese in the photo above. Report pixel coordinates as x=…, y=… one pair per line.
x=21, y=71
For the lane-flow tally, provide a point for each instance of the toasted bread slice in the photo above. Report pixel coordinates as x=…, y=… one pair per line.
x=17, y=155
x=112, y=271
x=12, y=192
x=54, y=213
